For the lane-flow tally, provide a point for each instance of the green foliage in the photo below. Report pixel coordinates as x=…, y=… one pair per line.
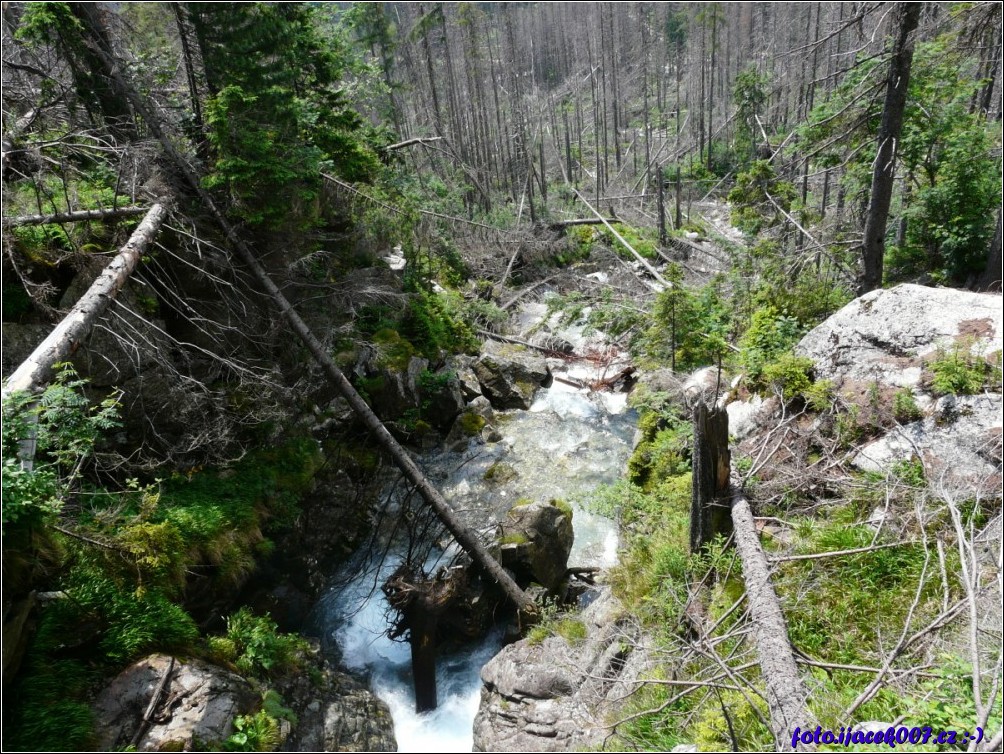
x=276, y=118
x=50, y=710
x=571, y=630
x=948, y=152
x=962, y=373
x=434, y=329
x=836, y=592
x=948, y=155
x=750, y=94
x=257, y=732
x=904, y=406
x=770, y=334
x=66, y=428
x=819, y=395
x=744, y=728
x=643, y=240
x=688, y=327
x=758, y=198
x=256, y=647
x=790, y=374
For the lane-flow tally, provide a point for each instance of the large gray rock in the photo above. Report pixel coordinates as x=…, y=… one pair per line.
x=196, y=710
x=509, y=375
x=883, y=335
x=460, y=365
x=553, y=696
x=960, y=446
x=536, y=541
x=335, y=712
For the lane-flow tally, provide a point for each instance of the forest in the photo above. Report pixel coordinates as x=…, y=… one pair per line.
x=502, y=376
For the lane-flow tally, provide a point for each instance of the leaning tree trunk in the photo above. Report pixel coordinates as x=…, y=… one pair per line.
x=465, y=537
x=885, y=160
x=64, y=339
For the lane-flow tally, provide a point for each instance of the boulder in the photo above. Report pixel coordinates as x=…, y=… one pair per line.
x=884, y=335
x=444, y=401
x=535, y=543
x=196, y=710
x=335, y=711
x=554, y=695
x=392, y=391
x=510, y=375
x=960, y=446
x=470, y=388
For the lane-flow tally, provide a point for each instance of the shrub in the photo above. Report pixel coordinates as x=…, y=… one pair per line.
x=771, y=333
x=904, y=406
x=960, y=373
x=254, y=644
x=790, y=374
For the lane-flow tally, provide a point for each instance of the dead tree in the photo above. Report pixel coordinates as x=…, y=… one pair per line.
x=889, y=133
x=66, y=336
x=419, y=602
x=709, y=511
x=75, y=216
x=786, y=693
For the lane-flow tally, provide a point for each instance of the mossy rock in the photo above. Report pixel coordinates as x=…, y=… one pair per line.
x=500, y=473
x=471, y=423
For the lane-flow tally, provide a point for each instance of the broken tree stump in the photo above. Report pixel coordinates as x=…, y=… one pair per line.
x=709, y=503
x=420, y=600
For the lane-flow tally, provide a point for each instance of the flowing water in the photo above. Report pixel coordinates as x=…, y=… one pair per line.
x=563, y=447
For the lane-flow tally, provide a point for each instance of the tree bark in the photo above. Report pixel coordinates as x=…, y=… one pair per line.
x=991, y=278
x=709, y=512
x=786, y=693
x=466, y=538
x=64, y=339
x=885, y=160
x=74, y=217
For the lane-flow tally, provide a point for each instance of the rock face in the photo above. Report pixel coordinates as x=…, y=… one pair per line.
x=510, y=375
x=960, y=445
x=552, y=696
x=883, y=341
x=884, y=334
x=196, y=709
x=536, y=541
x=199, y=703
x=335, y=712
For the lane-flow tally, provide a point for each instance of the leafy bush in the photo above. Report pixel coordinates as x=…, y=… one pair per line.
x=65, y=427
x=254, y=644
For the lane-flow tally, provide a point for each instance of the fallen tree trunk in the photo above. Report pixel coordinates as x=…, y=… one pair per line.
x=36, y=370
x=465, y=537
x=644, y=262
x=73, y=217
x=581, y=221
x=786, y=693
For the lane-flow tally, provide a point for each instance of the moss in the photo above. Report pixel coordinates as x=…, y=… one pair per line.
x=562, y=505
x=471, y=423
x=500, y=473
x=394, y=352
x=571, y=630
x=514, y=538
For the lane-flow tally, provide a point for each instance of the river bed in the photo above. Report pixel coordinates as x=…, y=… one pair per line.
x=568, y=442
